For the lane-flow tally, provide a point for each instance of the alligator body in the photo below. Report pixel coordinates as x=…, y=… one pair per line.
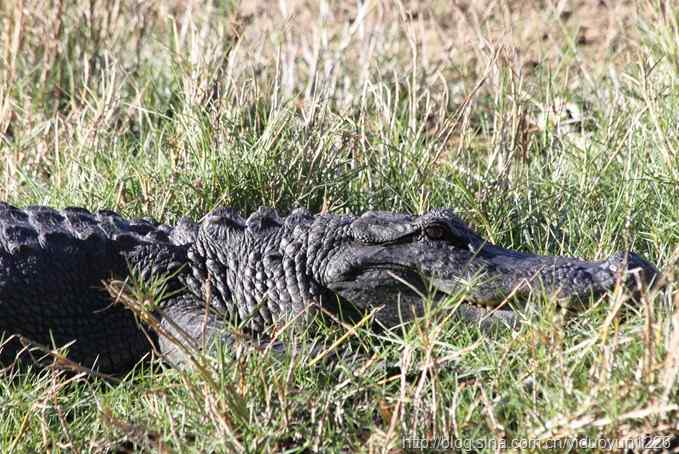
x=260, y=270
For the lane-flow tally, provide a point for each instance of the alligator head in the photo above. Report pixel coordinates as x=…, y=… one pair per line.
x=265, y=267
x=392, y=260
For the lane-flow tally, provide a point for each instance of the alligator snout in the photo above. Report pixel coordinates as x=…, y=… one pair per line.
x=571, y=278
x=631, y=269
x=503, y=273
x=516, y=274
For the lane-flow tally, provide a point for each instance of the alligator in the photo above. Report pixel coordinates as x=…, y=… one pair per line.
x=259, y=272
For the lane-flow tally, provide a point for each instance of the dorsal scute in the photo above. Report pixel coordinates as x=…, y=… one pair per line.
x=82, y=223
x=222, y=224
x=45, y=217
x=125, y=232
x=109, y=216
x=298, y=216
x=185, y=232
x=19, y=235
x=12, y=213
x=225, y=217
x=34, y=227
x=111, y=223
x=382, y=226
x=442, y=213
x=264, y=219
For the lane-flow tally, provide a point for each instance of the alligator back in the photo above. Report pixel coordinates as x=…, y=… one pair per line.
x=52, y=266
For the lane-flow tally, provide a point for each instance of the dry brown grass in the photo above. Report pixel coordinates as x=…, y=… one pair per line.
x=71, y=69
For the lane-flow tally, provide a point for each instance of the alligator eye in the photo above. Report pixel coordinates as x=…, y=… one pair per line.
x=435, y=232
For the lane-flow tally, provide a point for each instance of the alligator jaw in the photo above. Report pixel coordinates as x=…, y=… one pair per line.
x=397, y=278
x=565, y=278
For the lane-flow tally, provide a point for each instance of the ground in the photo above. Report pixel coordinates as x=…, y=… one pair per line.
x=548, y=126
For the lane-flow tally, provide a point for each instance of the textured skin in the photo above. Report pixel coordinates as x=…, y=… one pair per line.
x=259, y=272
x=52, y=265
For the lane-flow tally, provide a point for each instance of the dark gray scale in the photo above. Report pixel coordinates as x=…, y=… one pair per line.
x=274, y=288
x=262, y=220
x=216, y=263
x=314, y=239
x=215, y=258
x=298, y=217
x=52, y=268
x=12, y=215
x=277, y=296
x=296, y=252
x=82, y=223
x=248, y=297
x=18, y=235
x=262, y=297
x=45, y=218
x=293, y=281
x=306, y=292
x=185, y=232
x=320, y=243
x=314, y=242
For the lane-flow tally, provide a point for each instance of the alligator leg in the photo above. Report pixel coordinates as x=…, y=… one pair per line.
x=186, y=327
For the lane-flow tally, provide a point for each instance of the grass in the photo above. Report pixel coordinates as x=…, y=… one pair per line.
x=547, y=129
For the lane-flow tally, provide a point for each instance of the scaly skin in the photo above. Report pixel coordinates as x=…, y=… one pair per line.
x=262, y=270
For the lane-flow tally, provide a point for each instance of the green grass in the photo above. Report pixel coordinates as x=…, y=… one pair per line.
x=162, y=112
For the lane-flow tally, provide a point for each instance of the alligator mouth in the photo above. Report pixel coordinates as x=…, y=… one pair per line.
x=488, y=314
x=470, y=289
x=401, y=290
x=488, y=306
x=484, y=298
x=441, y=289
x=506, y=300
